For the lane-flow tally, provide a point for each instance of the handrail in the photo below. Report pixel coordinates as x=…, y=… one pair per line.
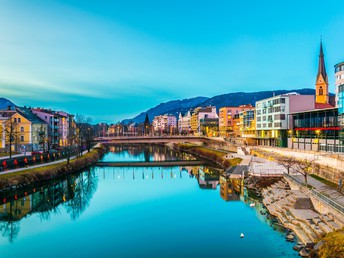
x=318, y=195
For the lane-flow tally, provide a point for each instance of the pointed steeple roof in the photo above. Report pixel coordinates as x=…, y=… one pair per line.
x=321, y=65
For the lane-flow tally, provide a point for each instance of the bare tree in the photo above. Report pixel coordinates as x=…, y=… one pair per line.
x=42, y=137
x=84, y=131
x=71, y=137
x=305, y=167
x=11, y=133
x=287, y=162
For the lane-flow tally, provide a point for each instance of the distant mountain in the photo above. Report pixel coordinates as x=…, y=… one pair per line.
x=5, y=103
x=231, y=99
x=172, y=107
x=242, y=98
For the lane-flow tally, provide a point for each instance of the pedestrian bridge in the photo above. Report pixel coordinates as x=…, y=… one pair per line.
x=150, y=139
x=152, y=163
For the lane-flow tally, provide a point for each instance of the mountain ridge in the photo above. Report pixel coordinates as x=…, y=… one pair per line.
x=174, y=107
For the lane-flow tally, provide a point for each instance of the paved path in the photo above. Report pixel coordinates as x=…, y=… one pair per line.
x=259, y=166
x=9, y=171
x=318, y=157
x=329, y=191
x=16, y=155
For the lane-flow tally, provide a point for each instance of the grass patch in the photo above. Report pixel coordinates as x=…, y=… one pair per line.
x=333, y=245
x=324, y=181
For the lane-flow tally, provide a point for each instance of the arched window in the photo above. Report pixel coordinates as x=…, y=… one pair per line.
x=321, y=91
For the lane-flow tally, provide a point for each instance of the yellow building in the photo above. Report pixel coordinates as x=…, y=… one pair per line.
x=25, y=128
x=248, y=125
x=16, y=209
x=194, y=121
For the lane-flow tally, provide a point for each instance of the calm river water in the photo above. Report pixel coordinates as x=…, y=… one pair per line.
x=138, y=212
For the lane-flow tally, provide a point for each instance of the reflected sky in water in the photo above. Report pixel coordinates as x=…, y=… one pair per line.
x=137, y=212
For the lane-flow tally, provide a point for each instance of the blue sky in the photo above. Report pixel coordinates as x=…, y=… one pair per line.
x=111, y=60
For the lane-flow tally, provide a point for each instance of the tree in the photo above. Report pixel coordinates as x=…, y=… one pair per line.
x=71, y=136
x=42, y=137
x=11, y=133
x=84, y=131
x=305, y=167
x=287, y=162
x=146, y=125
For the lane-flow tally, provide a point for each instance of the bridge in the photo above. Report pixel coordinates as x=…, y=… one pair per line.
x=152, y=163
x=150, y=139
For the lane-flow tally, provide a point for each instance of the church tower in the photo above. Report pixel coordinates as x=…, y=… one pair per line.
x=321, y=84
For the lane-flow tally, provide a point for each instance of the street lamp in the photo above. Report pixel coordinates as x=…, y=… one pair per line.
x=317, y=132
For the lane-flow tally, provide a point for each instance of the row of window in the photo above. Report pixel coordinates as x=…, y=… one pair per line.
x=270, y=125
x=339, y=68
x=340, y=77
x=270, y=103
x=271, y=110
x=269, y=118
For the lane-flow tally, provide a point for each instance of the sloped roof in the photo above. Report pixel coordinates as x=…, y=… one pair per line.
x=29, y=115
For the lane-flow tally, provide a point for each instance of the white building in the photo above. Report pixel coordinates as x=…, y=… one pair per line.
x=164, y=123
x=184, y=123
x=272, y=117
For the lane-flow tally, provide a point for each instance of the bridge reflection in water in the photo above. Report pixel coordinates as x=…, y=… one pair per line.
x=75, y=192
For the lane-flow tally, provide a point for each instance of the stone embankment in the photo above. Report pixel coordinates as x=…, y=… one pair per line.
x=41, y=175
x=295, y=211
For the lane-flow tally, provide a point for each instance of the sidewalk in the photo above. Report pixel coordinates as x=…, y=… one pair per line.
x=38, y=165
x=16, y=155
x=328, y=191
x=318, y=157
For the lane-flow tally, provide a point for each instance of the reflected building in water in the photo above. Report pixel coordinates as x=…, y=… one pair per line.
x=231, y=189
x=74, y=193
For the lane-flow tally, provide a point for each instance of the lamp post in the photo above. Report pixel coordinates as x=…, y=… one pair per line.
x=317, y=132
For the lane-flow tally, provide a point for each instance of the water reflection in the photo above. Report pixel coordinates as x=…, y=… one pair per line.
x=144, y=153
x=73, y=193
x=231, y=189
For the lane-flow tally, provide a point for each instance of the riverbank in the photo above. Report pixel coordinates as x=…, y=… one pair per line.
x=48, y=172
x=216, y=156
x=296, y=211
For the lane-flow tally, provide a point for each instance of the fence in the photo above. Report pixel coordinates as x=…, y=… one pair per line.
x=338, y=207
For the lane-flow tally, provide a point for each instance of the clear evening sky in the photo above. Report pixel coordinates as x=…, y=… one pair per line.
x=111, y=60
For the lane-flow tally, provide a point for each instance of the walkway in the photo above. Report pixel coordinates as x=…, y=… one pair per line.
x=152, y=163
x=326, y=159
x=260, y=166
x=9, y=171
x=16, y=155
x=328, y=191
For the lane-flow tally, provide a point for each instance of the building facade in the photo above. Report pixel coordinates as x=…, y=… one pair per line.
x=164, y=124
x=184, y=123
x=204, y=114
x=316, y=130
x=226, y=119
x=272, y=117
x=247, y=125
x=339, y=83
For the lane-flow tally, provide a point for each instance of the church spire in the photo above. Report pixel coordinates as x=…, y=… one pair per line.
x=321, y=84
x=321, y=65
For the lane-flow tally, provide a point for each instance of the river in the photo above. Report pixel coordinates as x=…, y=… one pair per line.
x=138, y=212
